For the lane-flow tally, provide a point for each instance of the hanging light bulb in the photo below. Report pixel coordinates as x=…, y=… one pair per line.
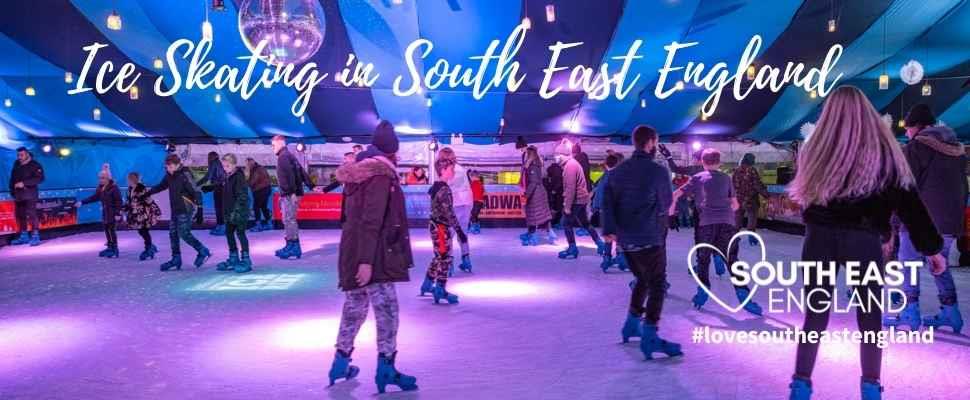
x=30, y=91
x=302, y=119
x=114, y=21
x=550, y=13
x=902, y=123
x=752, y=71
x=397, y=2
x=218, y=98
x=643, y=103
x=7, y=103
x=68, y=77
x=927, y=89
x=96, y=114
x=679, y=85
x=574, y=126
x=884, y=81
x=703, y=116
x=812, y=94
x=207, y=30
x=157, y=63
x=64, y=151
x=501, y=122
x=133, y=93
x=527, y=23
x=428, y=102
x=832, y=25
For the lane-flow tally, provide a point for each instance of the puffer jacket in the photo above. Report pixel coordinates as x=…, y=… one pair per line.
x=259, y=178
x=236, y=197
x=31, y=174
x=537, y=200
x=938, y=162
x=575, y=189
x=636, y=198
x=214, y=175
x=110, y=197
x=290, y=174
x=183, y=196
x=374, y=222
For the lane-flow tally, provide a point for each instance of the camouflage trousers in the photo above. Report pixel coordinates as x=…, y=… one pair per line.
x=383, y=297
x=180, y=227
x=288, y=207
x=443, y=260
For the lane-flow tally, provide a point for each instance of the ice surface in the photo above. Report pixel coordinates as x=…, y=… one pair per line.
x=529, y=326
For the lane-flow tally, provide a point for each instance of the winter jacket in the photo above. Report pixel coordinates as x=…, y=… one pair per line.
x=598, y=191
x=413, y=179
x=574, y=185
x=443, y=205
x=183, y=196
x=290, y=174
x=689, y=170
x=873, y=213
x=31, y=174
x=553, y=184
x=259, y=178
x=375, y=223
x=636, y=198
x=142, y=211
x=110, y=197
x=583, y=161
x=235, y=194
x=938, y=162
x=460, y=187
x=478, y=190
x=537, y=200
x=215, y=175
x=748, y=185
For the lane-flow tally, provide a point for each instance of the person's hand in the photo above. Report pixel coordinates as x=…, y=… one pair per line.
x=609, y=238
x=663, y=150
x=567, y=211
x=318, y=189
x=364, y=272
x=18, y=185
x=937, y=264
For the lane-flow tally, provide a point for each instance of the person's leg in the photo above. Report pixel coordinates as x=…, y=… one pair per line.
x=819, y=245
x=352, y=317
x=383, y=297
x=752, y=215
x=476, y=212
x=185, y=233
x=949, y=307
x=112, y=233
x=231, y=240
x=290, y=226
x=908, y=252
x=20, y=212
x=217, y=198
x=704, y=234
x=107, y=235
x=582, y=218
x=655, y=273
x=146, y=237
x=243, y=239
x=173, y=233
x=568, y=223
x=638, y=266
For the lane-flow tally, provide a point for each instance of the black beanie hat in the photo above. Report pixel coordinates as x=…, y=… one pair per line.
x=385, y=140
x=920, y=115
x=747, y=159
x=520, y=143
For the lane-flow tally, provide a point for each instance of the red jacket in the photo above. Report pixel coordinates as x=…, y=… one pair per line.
x=478, y=190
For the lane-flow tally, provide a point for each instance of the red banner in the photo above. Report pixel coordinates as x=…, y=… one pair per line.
x=503, y=205
x=313, y=207
x=52, y=213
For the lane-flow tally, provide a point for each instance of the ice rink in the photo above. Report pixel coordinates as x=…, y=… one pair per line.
x=529, y=326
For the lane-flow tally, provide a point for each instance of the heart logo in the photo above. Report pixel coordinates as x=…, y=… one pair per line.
x=690, y=263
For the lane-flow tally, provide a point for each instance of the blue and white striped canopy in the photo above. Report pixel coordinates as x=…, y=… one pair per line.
x=41, y=40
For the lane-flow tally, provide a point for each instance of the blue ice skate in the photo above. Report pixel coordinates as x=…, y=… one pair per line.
x=751, y=307
x=909, y=316
x=245, y=263
x=440, y=293
x=571, y=253
x=466, y=263
x=427, y=286
x=292, y=250
x=202, y=257
x=24, y=238
x=700, y=298
x=870, y=390
x=631, y=327
x=388, y=375
x=651, y=343
x=341, y=368
x=229, y=264
x=175, y=262
x=948, y=316
x=35, y=239
x=719, y=267
x=800, y=389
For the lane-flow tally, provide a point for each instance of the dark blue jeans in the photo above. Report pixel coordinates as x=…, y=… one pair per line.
x=944, y=282
x=578, y=218
x=180, y=227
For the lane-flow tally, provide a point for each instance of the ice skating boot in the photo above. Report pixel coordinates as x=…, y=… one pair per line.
x=148, y=253
x=870, y=390
x=719, y=267
x=24, y=238
x=948, y=316
x=175, y=262
x=341, y=368
x=801, y=389
x=909, y=316
x=219, y=230
x=571, y=253
x=293, y=251
x=582, y=232
x=35, y=239
x=621, y=263
x=257, y=227
x=551, y=237
x=632, y=327
x=105, y=252
x=466, y=263
x=388, y=375
x=602, y=249
x=427, y=286
x=267, y=226
x=752, y=241
x=523, y=237
x=531, y=240
x=751, y=306
x=440, y=293
x=229, y=264
x=606, y=263
x=651, y=343
x=202, y=257
x=475, y=228
x=245, y=263
x=700, y=298
x=285, y=249
x=111, y=252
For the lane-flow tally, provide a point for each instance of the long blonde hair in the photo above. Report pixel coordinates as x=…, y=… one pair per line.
x=851, y=154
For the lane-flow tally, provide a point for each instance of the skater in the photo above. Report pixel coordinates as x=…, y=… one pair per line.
x=583, y=159
x=110, y=197
x=749, y=188
x=260, y=184
x=714, y=195
x=375, y=253
x=575, y=199
x=536, y=206
x=443, y=222
x=553, y=184
x=937, y=160
x=25, y=176
x=852, y=176
x=608, y=260
x=416, y=177
x=478, y=196
x=183, y=199
x=292, y=179
x=142, y=213
x=236, y=214
x=216, y=178
x=461, y=191
x=635, y=200
x=349, y=157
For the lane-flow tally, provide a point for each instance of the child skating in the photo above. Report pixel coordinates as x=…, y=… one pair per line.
x=235, y=208
x=110, y=197
x=183, y=198
x=143, y=213
x=443, y=222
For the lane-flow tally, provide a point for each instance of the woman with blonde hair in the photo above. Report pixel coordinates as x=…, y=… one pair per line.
x=852, y=176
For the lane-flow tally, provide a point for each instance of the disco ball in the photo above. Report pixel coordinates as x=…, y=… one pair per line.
x=293, y=29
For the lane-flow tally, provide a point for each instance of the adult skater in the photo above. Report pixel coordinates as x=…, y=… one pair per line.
x=462, y=192
x=713, y=192
x=575, y=199
x=635, y=201
x=583, y=159
x=478, y=196
x=292, y=178
x=937, y=160
x=183, y=198
x=110, y=197
x=260, y=184
x=236, y=210
x=748, y=187
x=612, y=161
x=375, y=252
x=553, y=184
x=213, y=181
x=25, y=176
x=349, y=157
x=443, y=222
x=142, y=213
x=852, y=176
x=537, y=212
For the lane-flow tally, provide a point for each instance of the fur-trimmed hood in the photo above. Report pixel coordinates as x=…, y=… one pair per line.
x=942, y=140
x=365, y=169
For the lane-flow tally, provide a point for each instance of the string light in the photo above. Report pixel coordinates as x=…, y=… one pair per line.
x=397, y=2
x=114, y=21
x=832, y=25
x=927, y=89
x=428, y=102
x=679, y=85
x=68, y=77
x=64, y=151
x=96, y=114
x=902, y=123
x=207, y=30
x=643, y=103
x=30, y=91
x=46, y=148
x=812, y=94
x=550, y=13
x=884, y=81
x=218, y=98
x=527, y=23
x=7, y=103
x=157, y=63
x=501, y=122
x=752, y=71
x=133, y=93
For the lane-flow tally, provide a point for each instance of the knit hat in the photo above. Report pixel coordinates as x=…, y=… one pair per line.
x=520, y=143
x=920, y=115
x=385, y=139
x=747, y=159
x=105, y=171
